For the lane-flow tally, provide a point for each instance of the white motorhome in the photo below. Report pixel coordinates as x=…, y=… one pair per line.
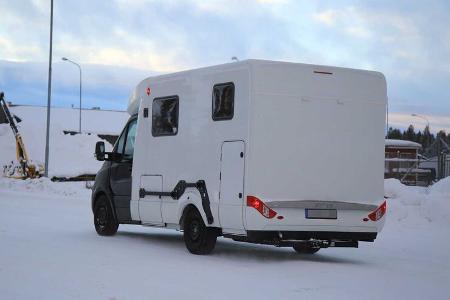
x=258, y=151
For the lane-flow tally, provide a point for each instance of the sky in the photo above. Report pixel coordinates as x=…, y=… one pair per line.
x=120, y=42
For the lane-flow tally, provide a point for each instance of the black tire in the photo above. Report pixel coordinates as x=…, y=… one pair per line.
x=199, y=238
x=104, y=221
x=305, y=248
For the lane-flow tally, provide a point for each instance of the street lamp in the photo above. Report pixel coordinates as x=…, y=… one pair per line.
x=79, y=67
x=428, y=126
x=49, y=93
x=422, y=117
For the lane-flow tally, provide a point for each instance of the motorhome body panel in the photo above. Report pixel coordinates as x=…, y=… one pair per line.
x=311, y=134
x=194, y=153
x=316, y=134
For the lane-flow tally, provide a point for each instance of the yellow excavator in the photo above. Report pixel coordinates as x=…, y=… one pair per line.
x=23, y=168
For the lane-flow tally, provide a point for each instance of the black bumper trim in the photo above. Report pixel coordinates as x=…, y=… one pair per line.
x=274, y=237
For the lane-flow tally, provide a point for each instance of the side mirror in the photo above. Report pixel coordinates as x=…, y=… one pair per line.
x=100, y=151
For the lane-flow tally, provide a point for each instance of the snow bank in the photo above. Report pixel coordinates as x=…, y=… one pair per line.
x=437, y=205
x=70, y=155
x=44, y=186
x=418, y=204
x=442, y=187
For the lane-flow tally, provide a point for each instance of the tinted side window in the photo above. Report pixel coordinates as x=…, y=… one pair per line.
x=165, y=116
x=223, y=101
x=120, y=142
x=131, y=137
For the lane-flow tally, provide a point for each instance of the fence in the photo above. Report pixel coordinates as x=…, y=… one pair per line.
x=443, y=166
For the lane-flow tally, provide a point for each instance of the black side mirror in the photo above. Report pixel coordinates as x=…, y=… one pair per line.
x=100, y=151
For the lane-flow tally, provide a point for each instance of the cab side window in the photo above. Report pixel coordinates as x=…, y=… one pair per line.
x=223, y=101
x=129, y=142
x=118, y=148
x=125, y=143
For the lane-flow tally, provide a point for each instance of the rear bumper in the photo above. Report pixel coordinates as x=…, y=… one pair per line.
x=274, y=237
x=352, y=219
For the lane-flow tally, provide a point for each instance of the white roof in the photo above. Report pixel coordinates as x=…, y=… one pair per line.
x=402, y=144
x=141, y=88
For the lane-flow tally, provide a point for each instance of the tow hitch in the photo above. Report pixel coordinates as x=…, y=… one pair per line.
x=319, y=243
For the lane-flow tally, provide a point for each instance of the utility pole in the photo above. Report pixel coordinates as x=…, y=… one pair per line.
x=428, y=126
x=49, y=91
x=79, y=67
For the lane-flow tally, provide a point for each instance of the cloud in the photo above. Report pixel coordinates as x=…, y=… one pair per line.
x=407, y=41
x=403, y=120
x=105, y=86
x=327, y=17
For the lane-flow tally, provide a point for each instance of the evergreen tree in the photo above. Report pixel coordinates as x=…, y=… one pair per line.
x=426, y=137
x=395, y=134
x=443, y=135
x=418, y=137
x=409, y=134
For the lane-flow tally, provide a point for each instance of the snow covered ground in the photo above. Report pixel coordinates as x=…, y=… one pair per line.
x=49, y=250
x=69, y=155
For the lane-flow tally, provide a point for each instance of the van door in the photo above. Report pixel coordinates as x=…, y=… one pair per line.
x=150, y=206
x=120, y=172
x=231, y=200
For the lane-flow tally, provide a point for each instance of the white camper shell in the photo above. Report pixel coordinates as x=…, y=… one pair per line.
x=268, y=152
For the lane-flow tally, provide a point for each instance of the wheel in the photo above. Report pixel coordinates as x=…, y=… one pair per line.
x=104, y=221
x=198, y=238
x=305, y=248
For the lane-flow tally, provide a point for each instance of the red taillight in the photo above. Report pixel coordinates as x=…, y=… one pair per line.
x=263, y=209
x=378, y=213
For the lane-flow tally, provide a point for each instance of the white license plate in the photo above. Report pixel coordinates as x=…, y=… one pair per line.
x=320, y=213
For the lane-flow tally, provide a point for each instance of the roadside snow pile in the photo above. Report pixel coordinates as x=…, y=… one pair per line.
x=418, y=204
x=437, y=204
x=44, y=186
x=442, y=187
x=70, y=155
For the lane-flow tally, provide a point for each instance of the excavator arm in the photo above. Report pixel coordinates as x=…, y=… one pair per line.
x=26, y=169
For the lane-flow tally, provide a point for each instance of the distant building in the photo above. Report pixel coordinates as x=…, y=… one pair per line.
x=402, y=162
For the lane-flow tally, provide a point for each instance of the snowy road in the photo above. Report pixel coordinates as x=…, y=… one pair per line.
x=49, y=250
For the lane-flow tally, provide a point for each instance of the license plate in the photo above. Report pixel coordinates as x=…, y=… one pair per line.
x=320, y=213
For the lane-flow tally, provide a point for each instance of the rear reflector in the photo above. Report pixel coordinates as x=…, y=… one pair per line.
x=263, y=209
x=378, y=213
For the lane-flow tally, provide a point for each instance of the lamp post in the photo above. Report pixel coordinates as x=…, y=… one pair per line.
x=422, y=117
x=428, y=126
x=49, y=92
x=79, y=67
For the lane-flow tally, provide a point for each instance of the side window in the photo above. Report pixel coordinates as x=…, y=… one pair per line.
x=118, y=148
x=129, y=143
x=165, y=116
x=223, y=101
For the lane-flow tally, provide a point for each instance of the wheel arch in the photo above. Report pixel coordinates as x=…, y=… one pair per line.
x=97, y=196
